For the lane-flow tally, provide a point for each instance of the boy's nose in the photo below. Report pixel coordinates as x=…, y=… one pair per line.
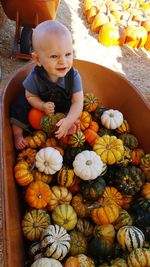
x=61, y=60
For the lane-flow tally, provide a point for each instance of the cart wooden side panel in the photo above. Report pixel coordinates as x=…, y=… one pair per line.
x=114, y=92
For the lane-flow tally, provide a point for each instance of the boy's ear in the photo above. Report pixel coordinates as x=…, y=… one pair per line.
x=36, y=58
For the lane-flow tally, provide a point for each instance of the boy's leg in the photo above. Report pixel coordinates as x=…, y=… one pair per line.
x=19, y=140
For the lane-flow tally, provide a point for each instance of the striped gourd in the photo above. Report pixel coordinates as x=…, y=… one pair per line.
x=77, y=139
x=55, y=242
x=124, y=127
x=123, y=219
x=130, y=237
x=139, y=257
x=66, y=177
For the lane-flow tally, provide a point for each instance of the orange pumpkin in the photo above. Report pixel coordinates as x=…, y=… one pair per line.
x=36, y=140
x=93, y=126
x=90, y=136
x=145, y=191
x=136, y=36
x=136, y=155
x=23, y=173
x=41, y=176
x=51, y=141
x=111, y=194
x=85, y=119
x=38, y=194
x=91, y=102
x=92, y=12
x=27, y=154
x=99, y=20
x=34, y=118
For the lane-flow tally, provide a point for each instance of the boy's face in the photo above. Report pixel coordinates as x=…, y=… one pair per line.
x=55, y=54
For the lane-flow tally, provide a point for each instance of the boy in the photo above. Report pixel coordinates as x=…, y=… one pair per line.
x=53, y=85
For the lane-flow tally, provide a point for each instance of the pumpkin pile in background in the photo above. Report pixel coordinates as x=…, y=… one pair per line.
x=119, y=22
x=85, y=198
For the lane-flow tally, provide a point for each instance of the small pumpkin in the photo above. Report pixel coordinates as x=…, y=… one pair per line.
x=99, y=247
x=23, y=173
x=36, y=140
x=87, y=165
x=51, y=141
x=38, y=194
x=145, y=190
x=94, y=126
x=139, y=257
x=123, y=128
x=86, y=227
x=106, y=231
x=48, y=160
x=129, y=140
x=77, y=139
x=35, y=251
x=48, y=122
x=33, y=224
x=78, y=243
x=111, y=194
x=136, y=155
x=55, y=242
x=90, y=136
x=85, y=119
x=130, y=237
x=60, y=195
x=28, y=155
x=123, y=219
x=109, y=148
x=94, y=189
x=46, y=262
x=41, y=176
x=145, y=166
x=91, y=102
x=112, y=119
x=66, y=177
x=65, y=216
x=34, y=117
x=80, y=206
x=78, y=261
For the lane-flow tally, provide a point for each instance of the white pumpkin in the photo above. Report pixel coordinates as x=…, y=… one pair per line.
x=112, y=119
x=55, y=242
x=87, y=165
x=48, y=160
x=46, y=262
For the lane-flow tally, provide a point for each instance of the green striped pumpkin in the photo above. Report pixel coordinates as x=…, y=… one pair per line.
x=129, y=140
x=123, y=219
x=139, y=257
x=55, y=242
x=66, y=177
x=130, y=237
x=77, y=139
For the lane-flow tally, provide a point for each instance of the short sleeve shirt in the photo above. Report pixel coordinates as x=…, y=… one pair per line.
x=34, y=84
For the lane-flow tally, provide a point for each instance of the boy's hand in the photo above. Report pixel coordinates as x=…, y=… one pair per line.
x=64, y=125
x=49, y=108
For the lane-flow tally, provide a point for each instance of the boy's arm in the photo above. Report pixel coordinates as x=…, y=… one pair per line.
x=76, y=107
x=38, y=103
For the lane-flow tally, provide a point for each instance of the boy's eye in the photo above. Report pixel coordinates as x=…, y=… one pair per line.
x=68, y=54
x=53, y=56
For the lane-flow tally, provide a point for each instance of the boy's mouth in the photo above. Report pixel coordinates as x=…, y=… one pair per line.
x=62, y=69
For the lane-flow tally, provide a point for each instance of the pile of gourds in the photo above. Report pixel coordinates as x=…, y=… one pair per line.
x=86, y=197
x=119, y=22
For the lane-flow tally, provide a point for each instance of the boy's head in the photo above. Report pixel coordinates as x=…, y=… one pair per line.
x=52, y=45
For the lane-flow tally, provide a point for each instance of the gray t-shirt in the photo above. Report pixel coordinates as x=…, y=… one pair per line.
x=35, y=85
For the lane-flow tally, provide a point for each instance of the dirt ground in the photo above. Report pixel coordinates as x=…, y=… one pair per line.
x=133, y=64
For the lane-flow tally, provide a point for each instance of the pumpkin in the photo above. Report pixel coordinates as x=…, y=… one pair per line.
x=79, y=260
x=94, y=126
x=123, y=219
x=129, y=140
x=136, y=36
x=85, y=119
x=129, y=179
x=109, y=148
x=123, y=128
x=106, y=231
x=91, y=102
x=78, y=243
x=80, y=206
x=35, y=251
x=130, y=237
x=87, y=165
x=136, y=155
x=111, y=194
x=94, y=189
x=55, y=242
x=34, y=117
x=112, y=119
x=77, y=139
x=27, y=155
x=48, y=160
x=36, y=140
x=41, y=176
x=127, y=199
x=140, y=204
x=92, y=12
x=118, y=262
x=46, y=262
x=90, y=136
x=33, y=224
x=51, y=141
x=75, y=187
x=145, y=191
x=48, y=122
x=99, y=20
x=23, y=173
x=139, y=257
x=105, y=213
x=66, y=177
x=87, y=5
x=86, y=227
x=60, y=195
x=65, y=216
x=99, y=248
x=38, y=194
x=145, y=166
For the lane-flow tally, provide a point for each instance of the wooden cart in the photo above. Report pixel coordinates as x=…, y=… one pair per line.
x=113, y=91
x=27, y=15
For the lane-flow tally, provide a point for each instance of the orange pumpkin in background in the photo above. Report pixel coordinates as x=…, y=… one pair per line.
x=34, y=118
